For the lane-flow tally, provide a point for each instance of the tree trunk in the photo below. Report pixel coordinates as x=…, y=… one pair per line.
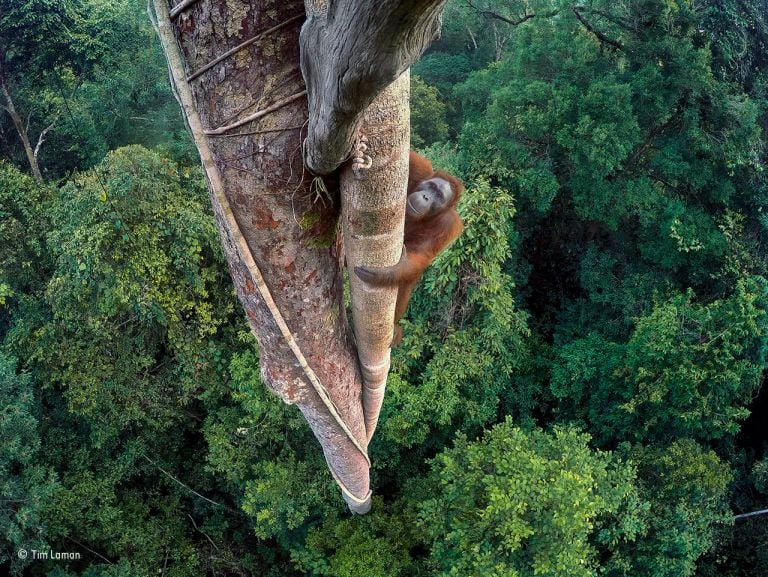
x=235, y=67
x=373, y=217
x=281, y=247
x=354, y=57
x=18, y=123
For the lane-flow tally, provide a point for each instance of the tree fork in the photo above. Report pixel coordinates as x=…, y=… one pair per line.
x=355, y=57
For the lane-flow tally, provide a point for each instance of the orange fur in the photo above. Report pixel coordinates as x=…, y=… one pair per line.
x=424, y=240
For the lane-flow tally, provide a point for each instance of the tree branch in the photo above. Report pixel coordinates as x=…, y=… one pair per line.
x=187, y=487
x=41, y=138
x=373, y=203
x=19, y=125
x=349, y=53
x=472, y=37
x=496, y=16
x=751, y=514
x=608, y=16
x=506, y=20
x=76, y=542
x=599, y=35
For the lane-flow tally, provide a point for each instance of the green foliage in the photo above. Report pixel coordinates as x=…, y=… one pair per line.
x=687, y=370
x=91, y=74
x=740, y=29
x=42, y=43
x=31, y=32
x=630, y=137
x=137, y=292
x=685, y=486
x=532, y=503
x=428, y=123
x=129, y=321
x=266, y=451
x=375, y=546
x=25, y=482
x=253, y=425
x=128, y=99
x=23, y=224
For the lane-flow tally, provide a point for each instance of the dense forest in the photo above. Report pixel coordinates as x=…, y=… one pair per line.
x=578, y=392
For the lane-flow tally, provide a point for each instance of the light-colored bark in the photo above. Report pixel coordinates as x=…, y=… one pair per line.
x=274, y=237
x=355, y=55
x=18, y=123
x=373, y=215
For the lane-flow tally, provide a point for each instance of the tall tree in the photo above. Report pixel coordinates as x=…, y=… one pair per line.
x=237, y=69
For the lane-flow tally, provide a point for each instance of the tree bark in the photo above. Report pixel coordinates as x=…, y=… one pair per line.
x=373, y=217
x=18, y=123
x=350, y=51
x=355, y=55
x=280, y=246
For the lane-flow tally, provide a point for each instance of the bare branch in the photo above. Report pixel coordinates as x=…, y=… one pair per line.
x=512, y=22
x=509, y=21
x=607, y=15
x=751, y=514
x=41, y=138
x=19, y=125
x=577, y=10
x=187, y=487
x=99, y=555
x=198, y=529
x=472, y=37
